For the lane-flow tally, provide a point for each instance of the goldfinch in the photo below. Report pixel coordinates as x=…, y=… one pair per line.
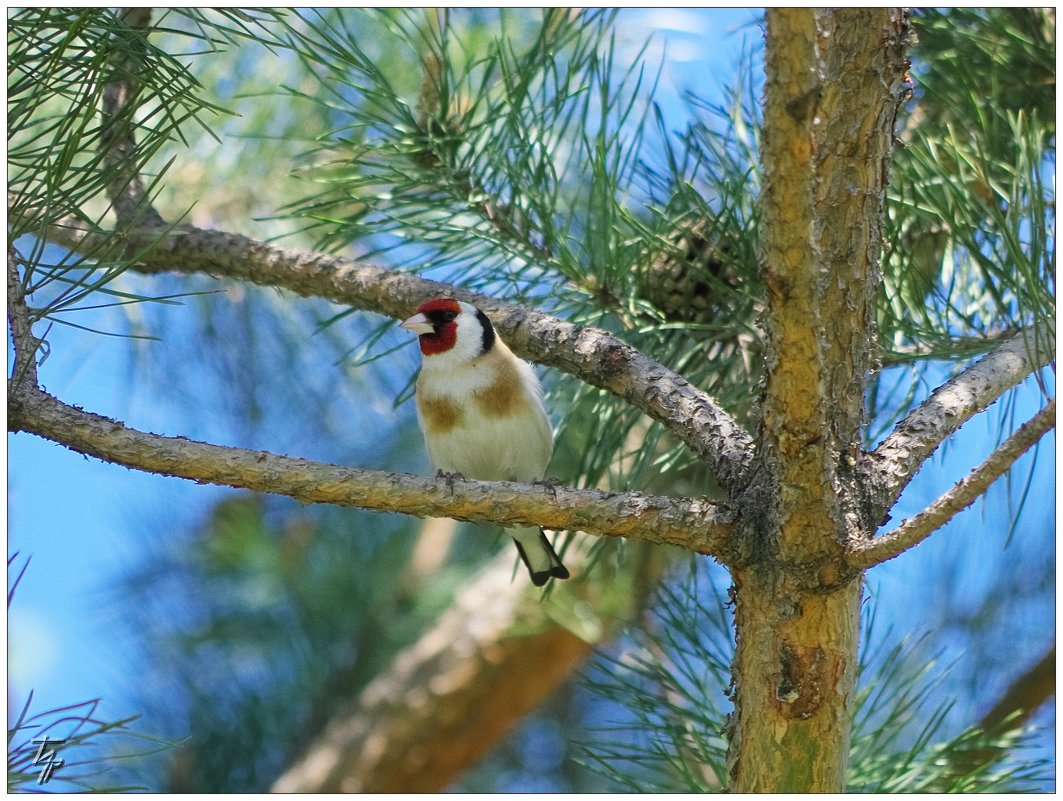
x=481, y=412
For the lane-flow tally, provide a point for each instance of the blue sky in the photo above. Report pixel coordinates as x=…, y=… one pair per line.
x=83, y=521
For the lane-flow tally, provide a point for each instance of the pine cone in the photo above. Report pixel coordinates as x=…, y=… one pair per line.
x=688, y=282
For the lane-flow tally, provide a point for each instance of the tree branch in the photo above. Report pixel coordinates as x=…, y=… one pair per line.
x=447, y=699
x=690, y=523
x=120, y=97
x=1018, y=703
x=18, y=319
x=590, y=354
x=890, y=467
x=963, y=494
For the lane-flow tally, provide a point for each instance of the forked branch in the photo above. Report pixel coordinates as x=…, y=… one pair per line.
x=896, y=460
x=963, y=494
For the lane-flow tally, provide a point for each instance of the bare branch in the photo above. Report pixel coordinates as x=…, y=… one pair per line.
x=963, y=494
x=18, y=319
x=590, y=354
x=120, y=97
x=692, y=523
x=892, y=465
x=443, y=702
x=1024, y=696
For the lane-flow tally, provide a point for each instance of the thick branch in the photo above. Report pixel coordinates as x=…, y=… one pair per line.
x=833, y=82
x=963, y=494
x=587, y=353
x=446, y=700
x=691, y=523
x=896, y=460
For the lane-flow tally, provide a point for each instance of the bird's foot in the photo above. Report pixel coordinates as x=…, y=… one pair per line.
x=450, y=477
x=550, y=484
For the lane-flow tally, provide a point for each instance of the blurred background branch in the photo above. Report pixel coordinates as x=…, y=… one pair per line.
x=548, y=159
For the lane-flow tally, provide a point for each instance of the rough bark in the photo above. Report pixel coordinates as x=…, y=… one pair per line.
x=590, y=354
x=893, y=464
x=834, y=80
x=692, y=523
x=963, y=494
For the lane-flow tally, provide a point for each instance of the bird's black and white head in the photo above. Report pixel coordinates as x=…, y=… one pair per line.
x=451, y=329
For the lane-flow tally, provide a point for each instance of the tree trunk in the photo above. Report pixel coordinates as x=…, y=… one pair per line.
x=834, y=82
x=797, y=659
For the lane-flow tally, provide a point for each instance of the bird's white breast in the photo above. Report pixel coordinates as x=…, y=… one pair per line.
x=486, y=419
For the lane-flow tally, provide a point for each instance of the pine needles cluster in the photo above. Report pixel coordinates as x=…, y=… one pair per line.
x=522, y=154
x=65, y=156
x=971, y=212
x=68, y=747
x=527, y=162
x=669, y=676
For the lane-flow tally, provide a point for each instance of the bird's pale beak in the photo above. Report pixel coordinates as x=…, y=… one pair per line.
x=418, y=324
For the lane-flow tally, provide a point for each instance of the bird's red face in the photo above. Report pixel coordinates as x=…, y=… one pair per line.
x=436, y=326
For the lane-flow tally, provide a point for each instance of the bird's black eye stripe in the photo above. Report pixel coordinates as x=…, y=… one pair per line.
x=488, y=331
x=438, y=318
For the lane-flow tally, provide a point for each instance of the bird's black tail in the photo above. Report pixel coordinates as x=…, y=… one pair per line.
x=546, y=564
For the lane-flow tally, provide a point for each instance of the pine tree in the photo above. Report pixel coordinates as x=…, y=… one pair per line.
x=740, y=320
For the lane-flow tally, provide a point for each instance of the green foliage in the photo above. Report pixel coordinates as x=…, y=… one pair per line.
x=669, y=675
x=271, y=620
x=971, y=208
x=968, y=762
x=466, y=164
x=900, y=742
x=65, y=154
x=80, y=750
x=987, y=64
x=60, y=150
x=973, y=254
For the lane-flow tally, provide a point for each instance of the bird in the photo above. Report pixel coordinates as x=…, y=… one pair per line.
x=481, y=412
